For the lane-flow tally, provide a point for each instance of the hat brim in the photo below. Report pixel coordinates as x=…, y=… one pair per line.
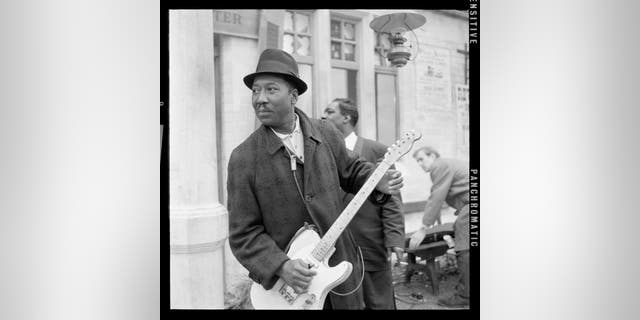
x=299, y=84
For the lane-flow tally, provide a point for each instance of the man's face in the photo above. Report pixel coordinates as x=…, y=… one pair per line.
x=425, y=161
x=332, y=113
x=272, y=101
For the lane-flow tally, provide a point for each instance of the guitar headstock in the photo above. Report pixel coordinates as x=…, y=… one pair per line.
x=401, y=147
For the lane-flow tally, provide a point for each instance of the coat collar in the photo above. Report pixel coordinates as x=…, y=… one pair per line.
x=358, y=146
x=309, y=132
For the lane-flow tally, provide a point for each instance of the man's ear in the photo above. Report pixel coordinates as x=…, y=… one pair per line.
x=347, y=119
x=294, y=96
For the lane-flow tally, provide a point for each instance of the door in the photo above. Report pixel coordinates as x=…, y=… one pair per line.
x=386, y=108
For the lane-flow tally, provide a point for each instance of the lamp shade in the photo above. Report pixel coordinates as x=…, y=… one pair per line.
x=397, y=22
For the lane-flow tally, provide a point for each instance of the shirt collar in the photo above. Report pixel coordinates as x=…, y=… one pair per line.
x=309, y=133
x=296, y=129
x=351, y=140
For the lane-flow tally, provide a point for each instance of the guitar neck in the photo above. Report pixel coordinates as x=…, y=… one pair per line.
x=329, y=239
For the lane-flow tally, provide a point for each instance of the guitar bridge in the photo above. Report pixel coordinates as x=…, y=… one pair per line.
x=288, y=293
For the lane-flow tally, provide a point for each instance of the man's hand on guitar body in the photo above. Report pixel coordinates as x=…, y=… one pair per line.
x=297, y=274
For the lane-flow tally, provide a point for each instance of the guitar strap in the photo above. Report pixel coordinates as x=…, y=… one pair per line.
x=293, y=158
x=361, y=277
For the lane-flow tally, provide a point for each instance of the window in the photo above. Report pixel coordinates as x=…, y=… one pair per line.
x=296, y=40
x=386, y=91
x=383, y=45
x=344, y=84
x=343, y=40
x=344, y=64
x=297, y=33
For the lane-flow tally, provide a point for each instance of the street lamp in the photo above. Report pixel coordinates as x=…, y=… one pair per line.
x=395, y=25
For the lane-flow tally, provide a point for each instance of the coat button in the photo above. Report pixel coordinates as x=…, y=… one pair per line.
x=308, y=198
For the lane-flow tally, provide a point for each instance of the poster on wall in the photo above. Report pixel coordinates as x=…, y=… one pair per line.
x=434, y=77
x=462, y=108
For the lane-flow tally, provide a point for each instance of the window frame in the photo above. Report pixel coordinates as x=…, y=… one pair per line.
x=342, y=63
x=301, y=59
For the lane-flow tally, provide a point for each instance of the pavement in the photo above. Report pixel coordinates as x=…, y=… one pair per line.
x=417, y=293
x=414, y=295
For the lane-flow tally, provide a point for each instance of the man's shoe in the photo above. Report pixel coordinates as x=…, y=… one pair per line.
x=454, y=301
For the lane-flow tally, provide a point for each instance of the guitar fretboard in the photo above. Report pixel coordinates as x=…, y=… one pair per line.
x=329, y=239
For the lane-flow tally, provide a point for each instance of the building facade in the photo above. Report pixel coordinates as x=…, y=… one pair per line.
x=339, y=56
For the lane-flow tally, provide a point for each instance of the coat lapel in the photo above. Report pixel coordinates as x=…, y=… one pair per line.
x=311, y=140
x=271, y=142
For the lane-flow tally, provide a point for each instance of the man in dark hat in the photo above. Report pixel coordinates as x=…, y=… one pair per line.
x=287, y=173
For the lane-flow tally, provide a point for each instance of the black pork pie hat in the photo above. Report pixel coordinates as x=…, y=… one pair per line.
x=279, y=62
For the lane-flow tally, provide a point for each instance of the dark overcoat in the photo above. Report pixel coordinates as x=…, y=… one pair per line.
x=266, y=207
x=375, y=228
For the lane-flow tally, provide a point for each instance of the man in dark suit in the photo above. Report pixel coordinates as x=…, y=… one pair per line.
x=378, y=230
x=289, y=172
x=450, y=178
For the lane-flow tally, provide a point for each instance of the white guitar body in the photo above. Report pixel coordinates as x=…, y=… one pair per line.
x=281, y=296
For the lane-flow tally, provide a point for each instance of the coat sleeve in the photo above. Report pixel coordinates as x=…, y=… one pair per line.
x=391, y=214
x=249, y=242
x=442, y=177
x=393, y=222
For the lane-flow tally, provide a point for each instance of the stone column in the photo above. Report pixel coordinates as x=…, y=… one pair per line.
x=198, y=222
x=322, y=61
x=367, y=81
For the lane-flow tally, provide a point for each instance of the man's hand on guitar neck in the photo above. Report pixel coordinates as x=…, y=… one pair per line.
x=391, y=182
x=297, y=274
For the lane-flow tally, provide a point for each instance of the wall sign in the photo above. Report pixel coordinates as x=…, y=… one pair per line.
x=240, y=23
x=434, y=77
x=462, y=106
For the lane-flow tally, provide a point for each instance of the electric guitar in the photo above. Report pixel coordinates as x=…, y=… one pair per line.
x=308, y=246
